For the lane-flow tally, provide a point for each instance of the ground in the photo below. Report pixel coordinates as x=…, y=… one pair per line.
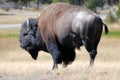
x=17, y=64
x=14, y=16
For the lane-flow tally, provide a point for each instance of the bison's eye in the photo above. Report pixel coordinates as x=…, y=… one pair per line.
x=25, y=34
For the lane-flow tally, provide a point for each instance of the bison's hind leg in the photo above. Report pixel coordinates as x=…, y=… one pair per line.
x=91, y=47
x=68, y=56
x=92, y=50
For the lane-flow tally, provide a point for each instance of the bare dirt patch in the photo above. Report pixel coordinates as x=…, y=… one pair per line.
x=18, y=16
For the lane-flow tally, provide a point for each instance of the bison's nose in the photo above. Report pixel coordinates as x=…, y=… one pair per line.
x=21, y=46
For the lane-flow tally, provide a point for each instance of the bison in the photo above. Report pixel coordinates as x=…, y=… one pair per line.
x=60, y=28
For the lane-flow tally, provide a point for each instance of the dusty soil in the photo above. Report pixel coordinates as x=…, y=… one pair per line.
x=17, y=16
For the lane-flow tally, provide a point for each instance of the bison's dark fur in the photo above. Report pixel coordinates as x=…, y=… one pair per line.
x=60, y=29
x=30, y=38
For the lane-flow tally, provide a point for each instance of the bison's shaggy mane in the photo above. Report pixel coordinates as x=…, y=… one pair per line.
x=49, y=16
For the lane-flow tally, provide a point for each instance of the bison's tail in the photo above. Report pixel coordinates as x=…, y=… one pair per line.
x=106, y=28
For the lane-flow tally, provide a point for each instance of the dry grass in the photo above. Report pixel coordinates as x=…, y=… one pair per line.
x=16, y=64
x=76, y=71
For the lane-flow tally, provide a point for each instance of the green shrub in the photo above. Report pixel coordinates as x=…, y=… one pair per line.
x=60, y=1
x=118, y=11
x=6, y=0
x=111, y=18
x=6, y=9
x=55, y=1
x=92, y=4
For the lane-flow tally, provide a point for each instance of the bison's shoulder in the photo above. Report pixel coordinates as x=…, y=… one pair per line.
x=49, y=17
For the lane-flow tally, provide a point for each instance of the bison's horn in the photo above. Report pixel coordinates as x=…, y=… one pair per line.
x=28, y=24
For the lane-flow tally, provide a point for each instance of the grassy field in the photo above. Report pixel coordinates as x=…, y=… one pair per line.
x=17, y=64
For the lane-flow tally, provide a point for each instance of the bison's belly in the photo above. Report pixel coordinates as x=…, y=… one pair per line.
x=71, y=41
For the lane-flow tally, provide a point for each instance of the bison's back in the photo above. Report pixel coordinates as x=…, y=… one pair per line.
x=54, y=19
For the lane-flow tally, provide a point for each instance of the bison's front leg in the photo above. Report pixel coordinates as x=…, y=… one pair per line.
x=56, y=54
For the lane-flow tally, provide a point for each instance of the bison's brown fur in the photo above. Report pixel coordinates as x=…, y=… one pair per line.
x=50, y=15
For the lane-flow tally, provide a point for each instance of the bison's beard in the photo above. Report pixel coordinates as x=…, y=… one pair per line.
x=33, y=53
x=31, y=46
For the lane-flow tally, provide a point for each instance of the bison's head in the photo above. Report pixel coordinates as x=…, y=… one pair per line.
x=28, y=37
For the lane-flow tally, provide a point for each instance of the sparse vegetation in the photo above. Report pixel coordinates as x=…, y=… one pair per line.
x=9, y=33
x=113, y=34
x=118, y=11
x=67, y=1
x=9, y=36
x=92, y=4
x=111, y=18
x=6, y=9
